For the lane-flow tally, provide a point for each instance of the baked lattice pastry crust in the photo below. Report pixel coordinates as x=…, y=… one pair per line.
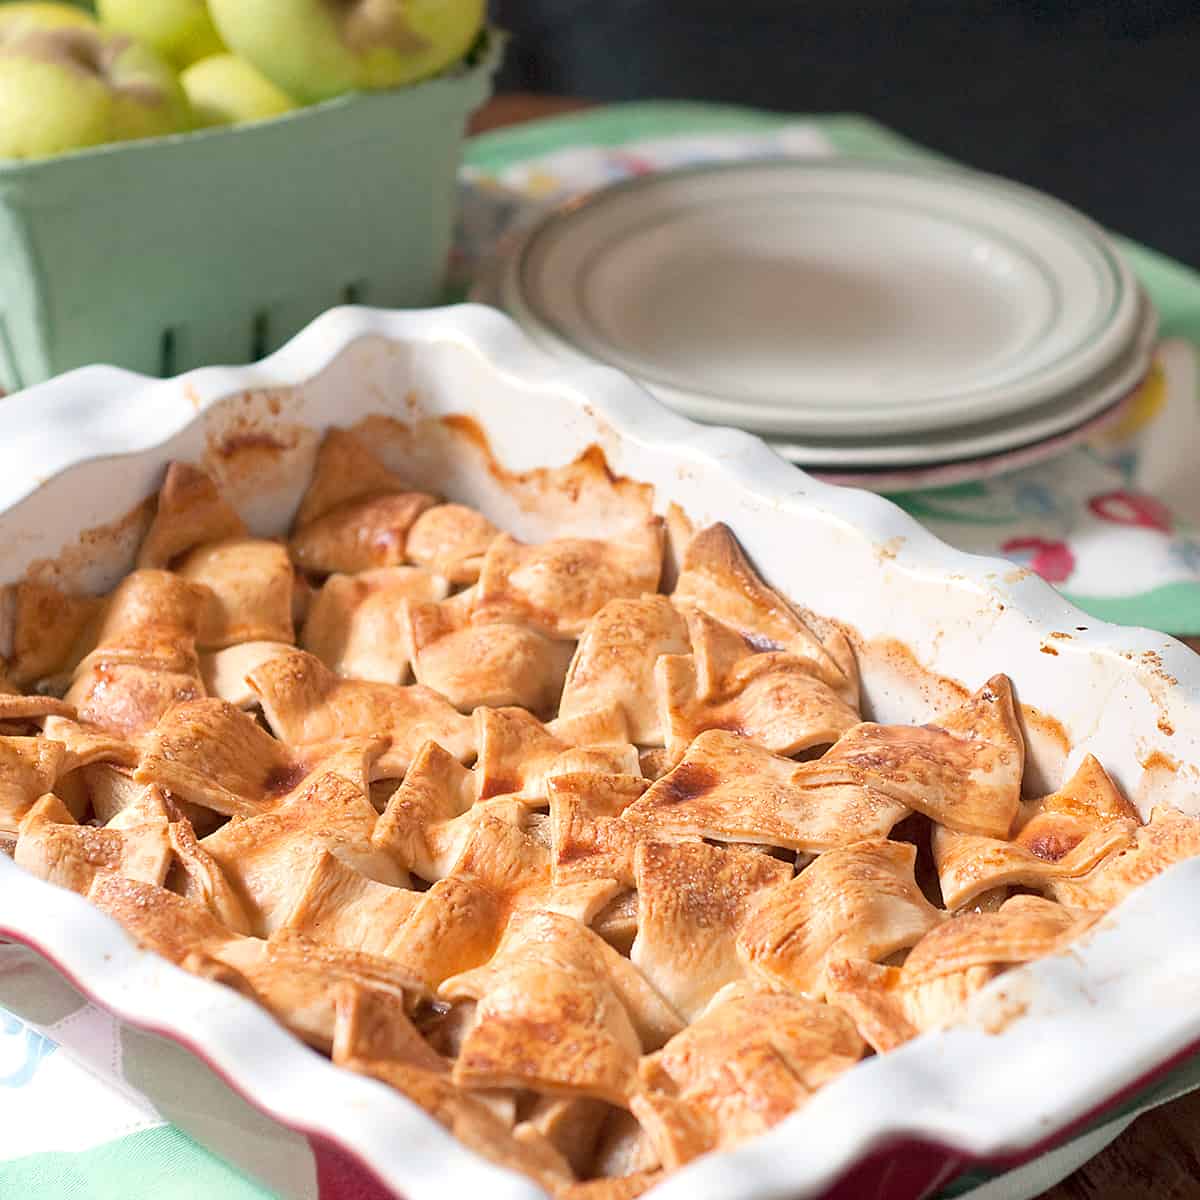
x=603, y=875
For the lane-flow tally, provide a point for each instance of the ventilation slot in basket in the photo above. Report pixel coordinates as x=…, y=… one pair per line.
x=259, y=334
x=166, y=354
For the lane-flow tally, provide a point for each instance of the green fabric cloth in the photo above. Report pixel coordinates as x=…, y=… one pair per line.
x=162, y=1163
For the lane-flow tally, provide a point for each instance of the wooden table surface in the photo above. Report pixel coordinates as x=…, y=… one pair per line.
x=1156, y=1157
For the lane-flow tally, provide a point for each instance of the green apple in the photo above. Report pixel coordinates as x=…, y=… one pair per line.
x=225, y=90
x=315, y=49
x=14, y=17
x=64, y=87
x=180, y=30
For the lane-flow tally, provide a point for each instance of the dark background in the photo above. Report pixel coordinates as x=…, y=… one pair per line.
x=1096, y=103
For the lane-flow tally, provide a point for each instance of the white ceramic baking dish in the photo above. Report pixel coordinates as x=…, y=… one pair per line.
x=1044, y=1047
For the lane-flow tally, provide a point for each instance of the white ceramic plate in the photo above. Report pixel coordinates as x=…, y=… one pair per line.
x=1045, y=426
x=957, y=455
x=828, y=296
x=903, y=479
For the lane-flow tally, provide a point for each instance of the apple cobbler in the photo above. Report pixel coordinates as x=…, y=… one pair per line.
x=602, y=876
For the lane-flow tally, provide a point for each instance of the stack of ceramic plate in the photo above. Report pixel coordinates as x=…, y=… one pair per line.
x=890, y=324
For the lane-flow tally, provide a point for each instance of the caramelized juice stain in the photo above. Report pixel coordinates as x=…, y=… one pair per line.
x=279, y=780
x=235, y=443
x=1156, y=760
x=939, y=692
x=591, y=460
x=430, y=445
x=1051, y=728
x=686, y=782
x=112, y=543
x=470, y=429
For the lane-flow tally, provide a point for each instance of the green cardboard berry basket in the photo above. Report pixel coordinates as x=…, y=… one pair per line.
x=218, y=245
